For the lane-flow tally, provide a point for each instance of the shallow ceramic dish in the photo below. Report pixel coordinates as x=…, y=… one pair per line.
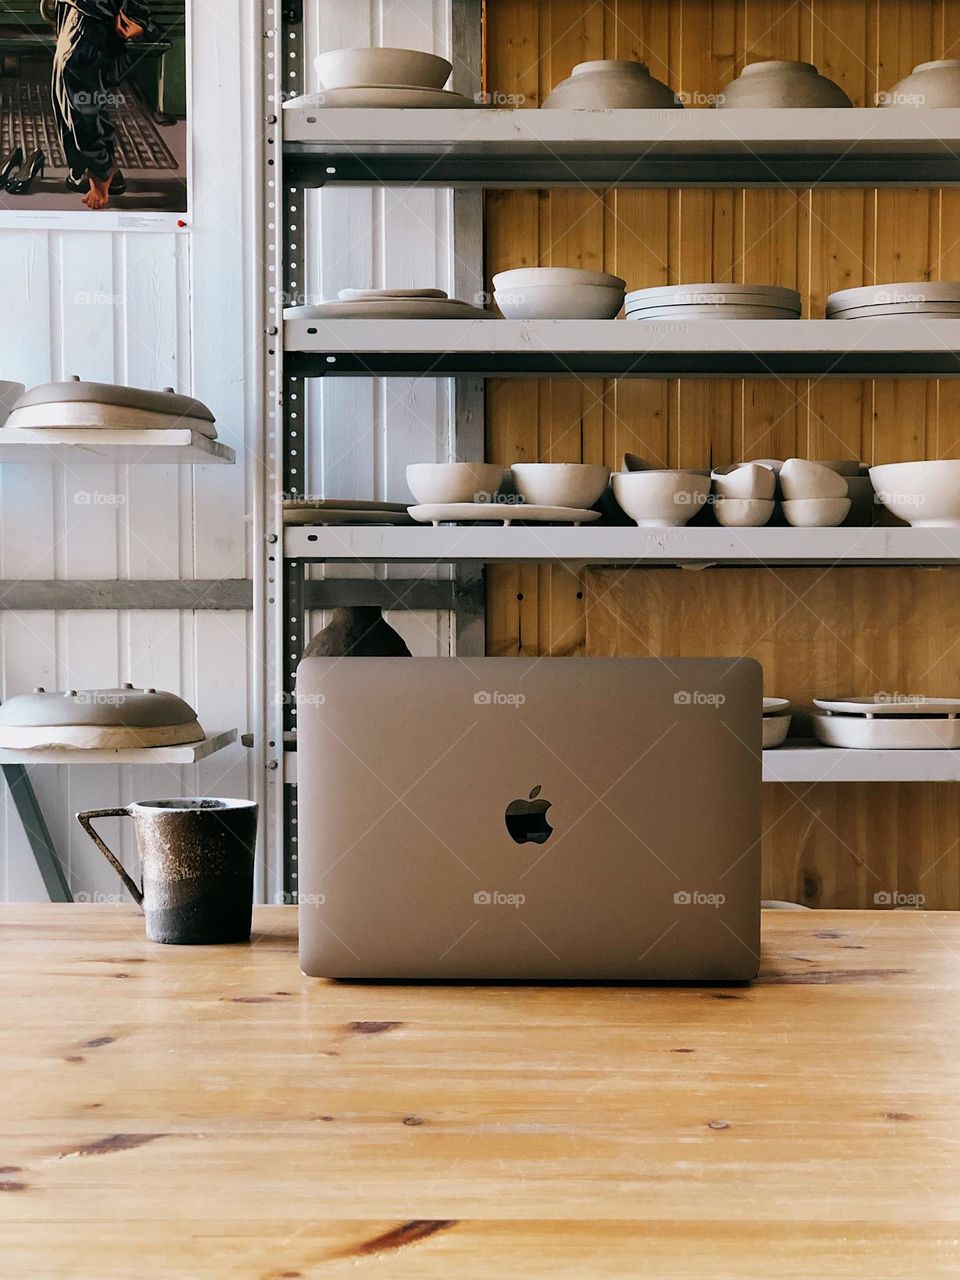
x=775, y=706
x=802, y=479
x=661, y=499
x=863, y=733
x=504, y=513
x=389, y=309
x=559, y=302
x=611, y=84
x=444, y=482
x=777, y=83
x=750, y=480
x=353, y=68
x=342, y=515
x=392, y=96
x=711, y=294
x=743, y=513
x=925, y=494
x=930, y=84
x=97, y=718
x=343, y=504
x=726, y=312
x=815, y=513
x=372, y=295
x=775, y=730
x=899, y=293
x=918, y=310
x=912, y=706
x=560, y=484
x=104, y=405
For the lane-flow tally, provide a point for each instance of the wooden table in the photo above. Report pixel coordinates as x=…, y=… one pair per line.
x=209, y=1112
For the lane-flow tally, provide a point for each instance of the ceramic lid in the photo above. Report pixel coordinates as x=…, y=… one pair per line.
x=126, y=706
x=74, y=391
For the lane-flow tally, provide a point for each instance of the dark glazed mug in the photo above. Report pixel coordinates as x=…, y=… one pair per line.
x=196, y=859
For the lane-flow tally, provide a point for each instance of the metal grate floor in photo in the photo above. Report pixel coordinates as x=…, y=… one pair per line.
x=26, y=119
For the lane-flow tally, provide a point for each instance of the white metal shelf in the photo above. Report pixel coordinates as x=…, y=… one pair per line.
x=863, y=147
x=98, y=445
x=623, y=545
x=899, y=347
x=188, y=753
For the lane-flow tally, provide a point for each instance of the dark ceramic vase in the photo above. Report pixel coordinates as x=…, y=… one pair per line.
x=357, y=632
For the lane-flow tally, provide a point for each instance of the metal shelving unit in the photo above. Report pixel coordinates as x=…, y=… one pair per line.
x=472, y=149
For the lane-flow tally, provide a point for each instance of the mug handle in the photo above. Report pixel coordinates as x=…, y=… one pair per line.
x=85, y=821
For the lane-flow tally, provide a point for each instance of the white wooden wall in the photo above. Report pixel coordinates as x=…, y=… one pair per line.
x=362, y=432
x=149, y=309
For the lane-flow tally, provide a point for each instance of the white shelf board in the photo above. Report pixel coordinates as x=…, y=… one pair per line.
x=189, y=753
x=621, y=545
x=910, y=346
x=96, y=445
x=527, y=147
x=812, y=763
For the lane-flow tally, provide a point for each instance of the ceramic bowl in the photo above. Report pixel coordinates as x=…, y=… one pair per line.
x=751, y=480
x=353, y=68
x=560, y=484
x=432, y=482
x=802, y=479
x=660, y=499
x=520, y=276
x=931, y=84
x=775, y=729
x=782, y=84
x=611, y=84
x=559, y=302
x=743, y=513
x=926, y=494
x=816, y=513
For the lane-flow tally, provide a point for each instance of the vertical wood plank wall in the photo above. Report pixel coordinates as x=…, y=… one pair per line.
x=817, y=632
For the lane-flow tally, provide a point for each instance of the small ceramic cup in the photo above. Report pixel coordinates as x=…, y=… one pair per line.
x=196, y=857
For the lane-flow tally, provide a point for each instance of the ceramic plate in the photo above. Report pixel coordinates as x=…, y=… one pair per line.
x=775, y=706
x=895, y=294
x=389, y=96
x=727, y=312
x=342, y=504
x=772, y=295
x=371, y=295
x=775, y=729
x=895, y=734
x=89, y=415
x=499, y=513
x=944, y=310
x=389, y=309
x=352, y=515
x=894, y=706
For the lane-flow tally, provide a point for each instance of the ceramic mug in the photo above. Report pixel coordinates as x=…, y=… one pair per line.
x=196, y=858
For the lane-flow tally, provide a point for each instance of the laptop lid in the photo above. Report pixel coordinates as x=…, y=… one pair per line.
x=503, y=818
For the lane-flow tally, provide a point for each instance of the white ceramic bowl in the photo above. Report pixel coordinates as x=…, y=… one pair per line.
x=559, y=302
x=926, y=494
x=660, y=499
x=743, y=513
x=775, y=729
x=352, y=68
x=610, y=84
x=751, y=480
x=931, y=84
x=776, y=84
x=432, y=482
x=560, y=484
x=802, y=479
x=816, y=513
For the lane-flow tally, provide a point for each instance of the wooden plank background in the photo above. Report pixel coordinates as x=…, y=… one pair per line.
x=852, y=630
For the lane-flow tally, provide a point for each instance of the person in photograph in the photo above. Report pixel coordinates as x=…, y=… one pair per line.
x=92, y=58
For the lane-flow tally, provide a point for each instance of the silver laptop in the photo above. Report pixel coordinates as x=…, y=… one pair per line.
x=504, y=818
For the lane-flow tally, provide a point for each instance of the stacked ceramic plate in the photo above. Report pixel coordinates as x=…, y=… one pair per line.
x=385, y=78
x=389, y=304
x=889, y=723
x=716, y=301
x=475, y=493
x=96, y=718
x=776, y=721
x=74, y=404
x=938, y=298
x=343, y=511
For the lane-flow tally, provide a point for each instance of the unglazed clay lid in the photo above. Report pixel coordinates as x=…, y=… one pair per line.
x=126, y=706
x=74, y=391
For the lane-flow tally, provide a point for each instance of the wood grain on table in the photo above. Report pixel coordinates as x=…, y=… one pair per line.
x=203, y=1112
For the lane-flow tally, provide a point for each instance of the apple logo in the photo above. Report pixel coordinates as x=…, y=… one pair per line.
x=527, y=819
